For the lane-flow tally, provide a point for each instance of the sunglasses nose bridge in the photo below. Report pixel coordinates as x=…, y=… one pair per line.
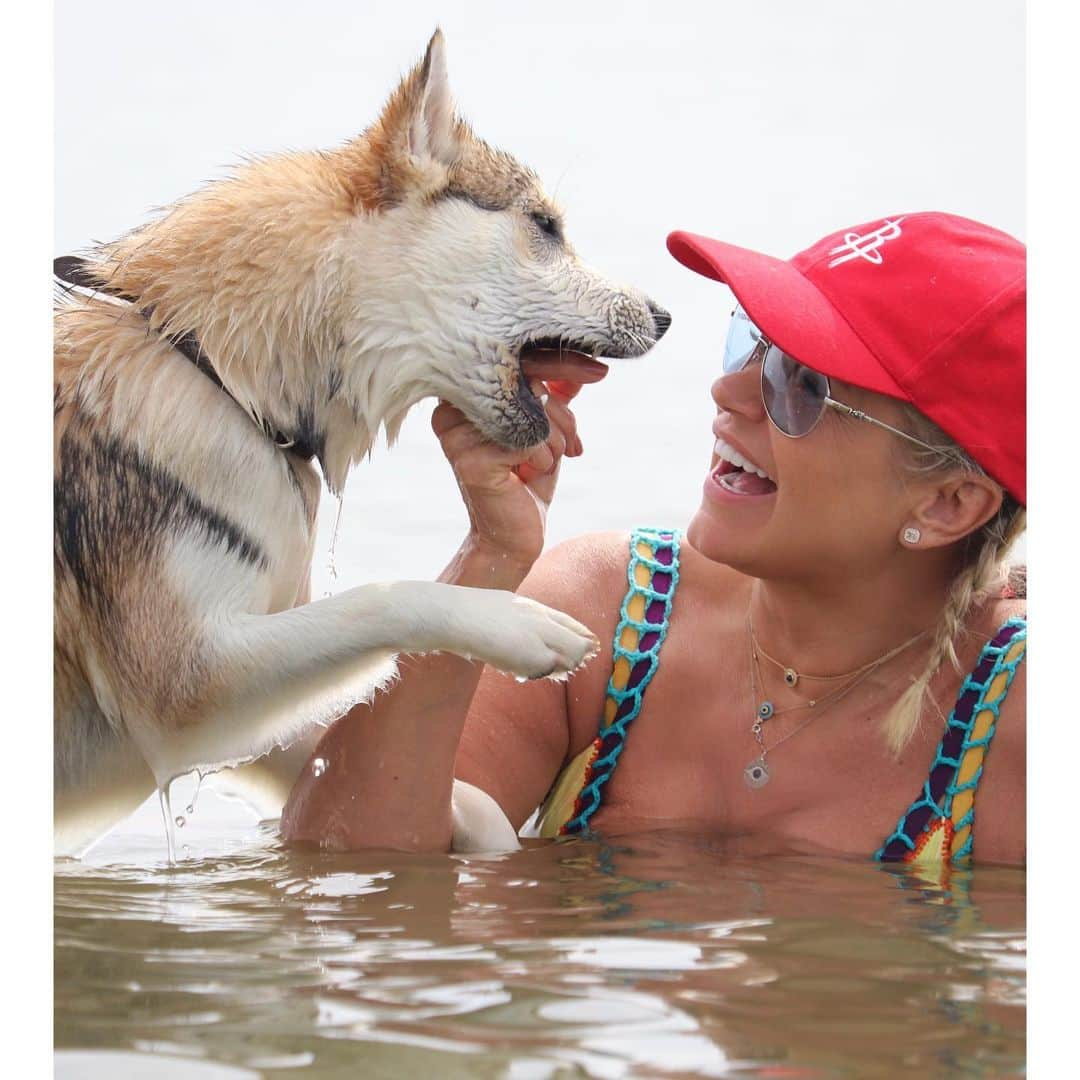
x=740, y=391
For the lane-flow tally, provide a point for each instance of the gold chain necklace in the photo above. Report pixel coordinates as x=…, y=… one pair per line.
x=792, y=677
x=757, y=774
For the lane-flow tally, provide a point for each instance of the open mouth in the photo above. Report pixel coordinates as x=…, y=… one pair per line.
x=551, y=358
x=739, y=475
x=515, y=415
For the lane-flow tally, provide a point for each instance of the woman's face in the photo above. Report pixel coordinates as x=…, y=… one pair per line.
x=835, y=499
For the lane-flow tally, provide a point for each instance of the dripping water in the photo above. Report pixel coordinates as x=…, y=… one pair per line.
x=190, y=808
x=332, y=557
x=166, y=813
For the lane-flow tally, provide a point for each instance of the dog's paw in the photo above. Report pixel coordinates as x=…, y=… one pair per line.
x=532, y=641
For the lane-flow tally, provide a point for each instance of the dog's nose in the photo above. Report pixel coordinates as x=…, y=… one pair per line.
x=661, y=318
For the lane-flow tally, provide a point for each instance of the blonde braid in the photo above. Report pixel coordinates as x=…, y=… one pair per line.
x=984, y=574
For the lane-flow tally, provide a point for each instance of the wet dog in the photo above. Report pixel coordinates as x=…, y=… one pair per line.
x=275, y=319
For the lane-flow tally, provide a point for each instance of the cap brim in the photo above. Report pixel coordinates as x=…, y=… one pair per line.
x=788, y=309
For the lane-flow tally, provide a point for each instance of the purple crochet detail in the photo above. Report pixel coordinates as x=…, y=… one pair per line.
x=640, y=670
x=931, y=802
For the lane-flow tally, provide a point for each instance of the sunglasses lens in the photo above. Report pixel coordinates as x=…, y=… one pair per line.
x=742, y=338
x=794, y=395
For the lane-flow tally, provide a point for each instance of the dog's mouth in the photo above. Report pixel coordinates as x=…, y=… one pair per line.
x=555, y=359
x=513, y=412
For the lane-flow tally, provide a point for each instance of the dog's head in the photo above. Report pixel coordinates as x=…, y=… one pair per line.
x=464, y=256
x=332, y=291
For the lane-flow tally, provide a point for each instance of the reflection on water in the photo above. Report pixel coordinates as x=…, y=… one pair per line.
x=663, y=953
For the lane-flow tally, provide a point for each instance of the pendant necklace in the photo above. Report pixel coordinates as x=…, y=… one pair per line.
x=757, y=773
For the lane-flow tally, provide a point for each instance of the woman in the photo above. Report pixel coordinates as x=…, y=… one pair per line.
x=824, y=658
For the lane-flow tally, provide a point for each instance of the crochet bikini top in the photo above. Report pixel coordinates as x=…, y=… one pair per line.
x=937, y=827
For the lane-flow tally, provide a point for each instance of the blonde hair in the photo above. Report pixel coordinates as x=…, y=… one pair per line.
x=984, y=574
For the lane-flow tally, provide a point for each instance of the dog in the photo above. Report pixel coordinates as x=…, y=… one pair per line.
x=205, y=362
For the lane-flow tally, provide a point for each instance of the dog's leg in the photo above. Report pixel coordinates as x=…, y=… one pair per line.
x=480, y=824
x=84, y=814
x=278, y=675
x=265, y=784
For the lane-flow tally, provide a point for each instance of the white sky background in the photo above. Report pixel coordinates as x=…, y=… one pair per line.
x=767, y=124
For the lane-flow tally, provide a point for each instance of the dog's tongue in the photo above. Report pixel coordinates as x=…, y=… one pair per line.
x=554, y=364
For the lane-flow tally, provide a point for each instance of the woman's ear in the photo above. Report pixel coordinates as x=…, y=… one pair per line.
x=951, y=509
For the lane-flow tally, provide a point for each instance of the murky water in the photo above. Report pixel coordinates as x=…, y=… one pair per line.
x=665, y=954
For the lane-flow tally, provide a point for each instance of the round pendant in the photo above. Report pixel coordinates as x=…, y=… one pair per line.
x=791, y=676
x=765, y=710
x=756, y=774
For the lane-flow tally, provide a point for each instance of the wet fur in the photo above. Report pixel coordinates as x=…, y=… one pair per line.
x=331, y=291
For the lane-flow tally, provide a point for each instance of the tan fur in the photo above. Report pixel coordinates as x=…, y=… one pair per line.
x=329, y=292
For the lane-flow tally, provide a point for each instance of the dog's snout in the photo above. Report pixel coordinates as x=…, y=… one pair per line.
x=661, y=319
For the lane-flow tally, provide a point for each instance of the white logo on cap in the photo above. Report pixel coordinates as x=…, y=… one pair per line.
x=865, y=247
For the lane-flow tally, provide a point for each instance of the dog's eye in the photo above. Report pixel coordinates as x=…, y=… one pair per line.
x=547, y=225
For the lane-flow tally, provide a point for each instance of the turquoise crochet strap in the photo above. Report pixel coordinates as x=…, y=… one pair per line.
x=640, y=662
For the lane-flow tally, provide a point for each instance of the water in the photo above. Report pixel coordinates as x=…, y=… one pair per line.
x=670, y=953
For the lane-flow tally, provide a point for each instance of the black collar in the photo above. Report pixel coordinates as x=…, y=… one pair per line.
x=74, y=272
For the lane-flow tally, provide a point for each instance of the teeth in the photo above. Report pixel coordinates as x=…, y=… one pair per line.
x=729, y=453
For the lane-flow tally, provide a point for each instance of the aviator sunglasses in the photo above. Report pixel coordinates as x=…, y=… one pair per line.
x=795, y=396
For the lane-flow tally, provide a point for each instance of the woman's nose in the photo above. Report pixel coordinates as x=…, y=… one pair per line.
x=740, y=392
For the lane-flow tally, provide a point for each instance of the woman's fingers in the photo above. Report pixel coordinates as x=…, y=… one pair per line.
x=565, y=389
x=563, y=420
x=478, y=461
x=564, y=375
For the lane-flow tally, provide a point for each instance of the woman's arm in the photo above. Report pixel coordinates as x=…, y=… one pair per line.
x=382, y=774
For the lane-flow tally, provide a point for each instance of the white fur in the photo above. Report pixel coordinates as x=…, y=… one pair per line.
x=424, y=298
x=480, y=825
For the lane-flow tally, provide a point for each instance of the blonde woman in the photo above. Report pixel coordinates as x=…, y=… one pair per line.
x=829, y=659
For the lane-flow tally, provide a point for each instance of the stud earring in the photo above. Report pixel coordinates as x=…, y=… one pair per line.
x=912, y=535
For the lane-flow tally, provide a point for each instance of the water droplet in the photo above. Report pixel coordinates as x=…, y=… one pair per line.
x=181, y=821
x=190, y=808
x=318, y=766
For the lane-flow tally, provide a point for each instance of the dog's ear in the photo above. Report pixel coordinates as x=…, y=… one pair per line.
x=418, y=122
x=432, y=130
x=415, y=140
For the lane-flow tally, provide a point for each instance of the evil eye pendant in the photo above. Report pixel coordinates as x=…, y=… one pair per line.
x=756, y=774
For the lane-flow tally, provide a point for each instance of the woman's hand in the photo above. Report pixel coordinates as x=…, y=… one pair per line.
x=507, y=492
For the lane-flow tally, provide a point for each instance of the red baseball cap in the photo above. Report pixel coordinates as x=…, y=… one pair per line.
x=925, y=307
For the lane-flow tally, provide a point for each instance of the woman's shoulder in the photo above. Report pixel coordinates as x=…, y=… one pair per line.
x=580, y=573
x=994, y=616
x=589, y=571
